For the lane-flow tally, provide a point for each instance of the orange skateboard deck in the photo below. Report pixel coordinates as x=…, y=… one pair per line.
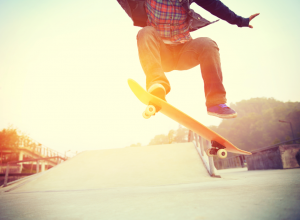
x=219, y=143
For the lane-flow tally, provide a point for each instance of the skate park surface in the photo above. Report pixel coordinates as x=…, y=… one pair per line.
x=152, y=182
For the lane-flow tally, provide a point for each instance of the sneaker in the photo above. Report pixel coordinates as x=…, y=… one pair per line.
x=158, y=90
x=221, y=111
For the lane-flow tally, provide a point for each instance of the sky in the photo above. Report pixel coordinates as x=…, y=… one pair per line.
x=64, y=67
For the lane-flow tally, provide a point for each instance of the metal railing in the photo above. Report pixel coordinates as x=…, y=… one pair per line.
x=201, y=144
x=34, y=148
x=40, y=149
x=31, y=160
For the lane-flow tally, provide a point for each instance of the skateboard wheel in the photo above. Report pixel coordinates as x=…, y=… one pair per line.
x=150, y=110
x=208, y=152
x=145, y=115
x=222, y=153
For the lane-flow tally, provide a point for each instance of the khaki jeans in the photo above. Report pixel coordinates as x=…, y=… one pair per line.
x=156, y=58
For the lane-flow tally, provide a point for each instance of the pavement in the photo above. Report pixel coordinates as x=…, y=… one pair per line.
x=153, y=182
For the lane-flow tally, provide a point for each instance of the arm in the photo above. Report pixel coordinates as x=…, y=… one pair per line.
x=220, y=10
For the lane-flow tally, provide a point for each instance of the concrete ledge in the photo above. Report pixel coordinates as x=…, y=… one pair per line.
x=279, y=157
x=288, y=155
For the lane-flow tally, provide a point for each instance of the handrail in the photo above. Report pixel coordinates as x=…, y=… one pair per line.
x=30, y=160
x=207, y=161
x=40, y=149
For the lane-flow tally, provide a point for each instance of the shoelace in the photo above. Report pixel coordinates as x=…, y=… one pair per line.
x=224, y=106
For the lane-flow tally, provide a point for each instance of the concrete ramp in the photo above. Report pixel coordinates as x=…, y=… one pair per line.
x=155, y=165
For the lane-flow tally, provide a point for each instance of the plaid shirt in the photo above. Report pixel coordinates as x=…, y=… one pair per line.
x=169, y=18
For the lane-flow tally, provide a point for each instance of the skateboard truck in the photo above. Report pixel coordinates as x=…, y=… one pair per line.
x=151, y=109
x=216, y=149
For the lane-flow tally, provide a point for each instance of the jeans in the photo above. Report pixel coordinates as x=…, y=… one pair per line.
x=156, y=58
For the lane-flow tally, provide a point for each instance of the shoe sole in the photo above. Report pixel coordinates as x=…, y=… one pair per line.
x=158, y=91
x=222, y=116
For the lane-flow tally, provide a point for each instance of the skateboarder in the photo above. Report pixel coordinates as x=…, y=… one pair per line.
x=165, y=44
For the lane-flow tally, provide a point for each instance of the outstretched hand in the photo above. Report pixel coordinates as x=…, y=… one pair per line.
x=251, y=17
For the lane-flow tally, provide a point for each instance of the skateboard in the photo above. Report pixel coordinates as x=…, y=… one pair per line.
x=220, y=145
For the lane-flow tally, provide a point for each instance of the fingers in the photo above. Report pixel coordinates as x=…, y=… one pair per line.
x=253, y=16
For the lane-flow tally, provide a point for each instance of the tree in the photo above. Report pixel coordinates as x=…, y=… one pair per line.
x=178, y=136
x=136, y=145
x=159, y=139
x=171, y=136
x=9, y=138
x=181, y=135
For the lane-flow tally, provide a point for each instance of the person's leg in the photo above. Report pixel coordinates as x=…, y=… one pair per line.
x=155, y=58
x=205, y=52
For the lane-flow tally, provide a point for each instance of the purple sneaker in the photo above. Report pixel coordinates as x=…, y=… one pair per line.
x=221, y=111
